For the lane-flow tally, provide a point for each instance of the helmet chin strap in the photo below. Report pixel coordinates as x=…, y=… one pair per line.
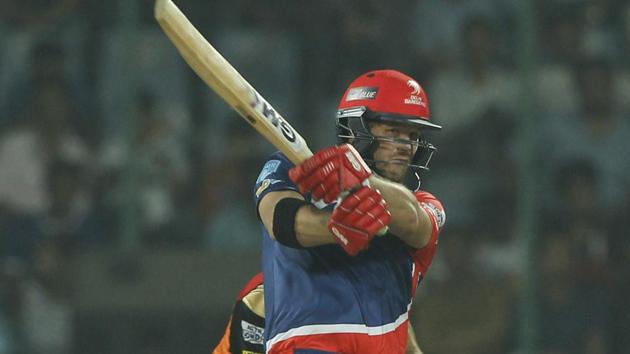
x=417, y=175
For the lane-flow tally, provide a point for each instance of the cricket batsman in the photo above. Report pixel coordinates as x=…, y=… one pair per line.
x=341, y=278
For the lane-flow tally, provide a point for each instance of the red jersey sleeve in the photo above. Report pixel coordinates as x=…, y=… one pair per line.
x=251, y=285
x=423, y=257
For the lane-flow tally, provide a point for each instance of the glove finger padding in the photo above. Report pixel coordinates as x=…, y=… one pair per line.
x=379, y=226
x=313, y=176
x=299, y=173
x=350, y=202
x=358, y=218
x=311, y=181
x=375, y=214
x=332, y=188
x=318, y=159
x=360, y=212
x=328, y=190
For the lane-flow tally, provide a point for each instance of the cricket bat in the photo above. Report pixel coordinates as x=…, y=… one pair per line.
x=228, y=83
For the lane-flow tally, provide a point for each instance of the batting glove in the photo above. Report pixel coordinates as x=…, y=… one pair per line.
x=358, y=218
x=330, y=172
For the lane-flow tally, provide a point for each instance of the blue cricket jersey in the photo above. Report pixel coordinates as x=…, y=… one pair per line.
x=322, y=290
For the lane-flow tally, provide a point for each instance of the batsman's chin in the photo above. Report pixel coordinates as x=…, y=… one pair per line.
x=395, y=172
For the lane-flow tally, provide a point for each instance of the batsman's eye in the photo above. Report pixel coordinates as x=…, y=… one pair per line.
x=391, y=133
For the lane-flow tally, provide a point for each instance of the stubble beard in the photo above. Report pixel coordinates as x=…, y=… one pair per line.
x=394, y=172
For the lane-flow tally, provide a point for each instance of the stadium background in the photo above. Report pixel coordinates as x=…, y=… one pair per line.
x=126, y=216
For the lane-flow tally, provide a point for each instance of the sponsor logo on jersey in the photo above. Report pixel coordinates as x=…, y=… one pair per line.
x=252, y=333
x=339, y=235
x=264, y=185
x=438, y=214
x=362, y=93
x=270, y=167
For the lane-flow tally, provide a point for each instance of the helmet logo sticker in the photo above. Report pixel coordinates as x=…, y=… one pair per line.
x=414, y=86
x=361, y=93
x=415, y=97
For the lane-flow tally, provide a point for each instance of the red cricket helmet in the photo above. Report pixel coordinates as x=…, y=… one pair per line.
x=386, y=96
x=390, y=96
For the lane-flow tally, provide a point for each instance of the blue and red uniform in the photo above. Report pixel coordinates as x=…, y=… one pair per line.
x=321, y=300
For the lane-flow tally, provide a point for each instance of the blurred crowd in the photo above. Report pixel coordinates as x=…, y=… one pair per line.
x=107, y=140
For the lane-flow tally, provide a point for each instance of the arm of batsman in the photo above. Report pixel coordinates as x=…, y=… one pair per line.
x=358, y=218
x=330, y=172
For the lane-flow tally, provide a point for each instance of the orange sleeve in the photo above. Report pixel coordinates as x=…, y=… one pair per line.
x=224, y=345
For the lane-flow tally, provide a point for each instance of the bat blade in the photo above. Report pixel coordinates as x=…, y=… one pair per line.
x=228, y=83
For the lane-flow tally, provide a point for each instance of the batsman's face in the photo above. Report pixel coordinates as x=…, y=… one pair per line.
x=397, y=144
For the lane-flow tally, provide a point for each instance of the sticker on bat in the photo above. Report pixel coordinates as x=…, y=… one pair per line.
x=259, y=104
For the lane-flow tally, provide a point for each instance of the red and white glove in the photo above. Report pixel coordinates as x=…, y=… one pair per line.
x=330, y=172
x=358, y=218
